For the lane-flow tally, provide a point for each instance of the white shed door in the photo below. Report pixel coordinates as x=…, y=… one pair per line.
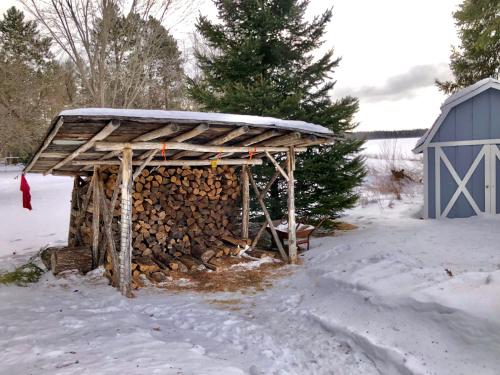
x=493, y=179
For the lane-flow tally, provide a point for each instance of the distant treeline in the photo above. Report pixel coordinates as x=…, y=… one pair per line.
x=387, y=134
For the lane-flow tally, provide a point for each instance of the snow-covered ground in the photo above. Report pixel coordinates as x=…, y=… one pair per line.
x=375, y=300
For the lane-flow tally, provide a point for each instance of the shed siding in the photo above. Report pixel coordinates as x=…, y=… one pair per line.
x=476, y=118
x=497, y=182
x=431, y=185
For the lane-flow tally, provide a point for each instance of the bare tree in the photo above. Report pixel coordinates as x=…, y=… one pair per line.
x=114, y=45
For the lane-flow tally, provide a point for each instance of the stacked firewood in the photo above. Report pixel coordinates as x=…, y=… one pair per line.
x=183, y=218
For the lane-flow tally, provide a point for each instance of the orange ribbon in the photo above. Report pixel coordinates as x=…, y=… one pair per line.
x=164, y=151
x=252, y=153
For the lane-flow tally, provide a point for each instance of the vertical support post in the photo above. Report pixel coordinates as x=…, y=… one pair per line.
x=292, y=229
x=426, y=182
x=95, y=217
x=75, y=197
x=126, y=223
x=437, y=180
x=245, y=212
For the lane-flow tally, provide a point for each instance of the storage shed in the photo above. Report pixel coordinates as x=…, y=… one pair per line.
x=462, y=156
x=161, y=186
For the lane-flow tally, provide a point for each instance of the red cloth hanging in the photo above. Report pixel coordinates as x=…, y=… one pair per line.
x=25, y=188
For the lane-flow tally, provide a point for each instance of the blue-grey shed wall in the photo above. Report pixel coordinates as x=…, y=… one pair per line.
x=476, y=118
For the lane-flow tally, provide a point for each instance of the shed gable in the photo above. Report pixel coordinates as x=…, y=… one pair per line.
x=475, y=119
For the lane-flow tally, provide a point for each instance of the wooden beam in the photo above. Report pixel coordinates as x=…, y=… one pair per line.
x=162, y=132
x=62, y=155
x=107, y=130
x=283, y=140
x=235, y=133
x=71, y=174
x=181, y=138
x=164, y=163
x=268, y=218
x=277, y=166
x=96, y=217
x=45, y=144
x=260, y=138
x=68, y=142
x=126, y=224
x=292, y=228
x=112, y=146
x=245, y=202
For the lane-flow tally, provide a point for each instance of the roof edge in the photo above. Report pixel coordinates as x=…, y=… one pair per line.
x=451, y=102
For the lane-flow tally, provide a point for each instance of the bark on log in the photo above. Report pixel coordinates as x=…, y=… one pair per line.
x=71, y=258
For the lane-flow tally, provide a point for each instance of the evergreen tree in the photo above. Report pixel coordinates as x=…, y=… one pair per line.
x=259, y=60
x=478, y=55
x=34, y=86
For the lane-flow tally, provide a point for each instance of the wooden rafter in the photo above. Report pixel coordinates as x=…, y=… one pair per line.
x=107, y=130
x=260, y=138
x=45, y=144
x=254, y=140
x=158, y=133
x=62, y=155
x=217, y=141
x=148, y=156
x=282, y=140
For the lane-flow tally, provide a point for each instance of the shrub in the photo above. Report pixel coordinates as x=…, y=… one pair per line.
x=23, y=275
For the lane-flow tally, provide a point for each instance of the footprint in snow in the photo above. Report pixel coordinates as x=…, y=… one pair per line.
x=47, y=235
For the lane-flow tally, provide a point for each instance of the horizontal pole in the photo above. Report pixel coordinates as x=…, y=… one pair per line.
x=173, y=163
x=114, y=146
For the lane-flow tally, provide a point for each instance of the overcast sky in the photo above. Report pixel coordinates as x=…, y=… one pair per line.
x=392, y=50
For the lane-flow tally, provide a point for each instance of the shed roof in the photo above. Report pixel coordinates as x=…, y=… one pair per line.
x=452, y=101
x=72, y=137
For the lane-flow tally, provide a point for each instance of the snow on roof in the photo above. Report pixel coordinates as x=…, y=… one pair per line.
x=454, y=100
x=200, y=116
x=470, y=90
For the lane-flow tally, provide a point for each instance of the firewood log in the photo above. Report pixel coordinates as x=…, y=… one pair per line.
x=71, y=258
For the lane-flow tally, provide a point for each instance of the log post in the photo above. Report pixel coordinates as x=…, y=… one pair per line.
x=75, y=197
x=245, y=199
x=292, y=228
x=96, y=216
x=126, y=223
